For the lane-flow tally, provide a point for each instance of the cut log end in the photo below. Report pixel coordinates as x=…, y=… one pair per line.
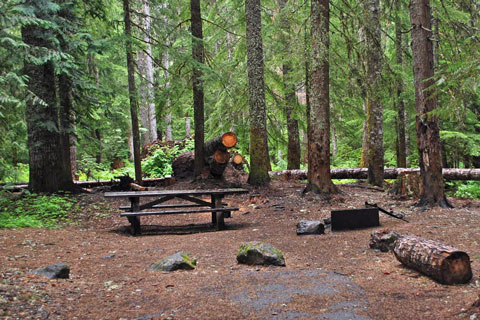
x=457, y=268
x=221, y=156
x=237, y=159
x=229, y=139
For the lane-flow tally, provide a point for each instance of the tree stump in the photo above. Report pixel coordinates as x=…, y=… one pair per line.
x=442, y=263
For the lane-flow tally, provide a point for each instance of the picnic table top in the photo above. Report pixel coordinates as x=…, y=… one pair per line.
x=155, y=193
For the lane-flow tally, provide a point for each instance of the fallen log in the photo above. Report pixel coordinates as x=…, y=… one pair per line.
x=389, y=173
x=442, y=263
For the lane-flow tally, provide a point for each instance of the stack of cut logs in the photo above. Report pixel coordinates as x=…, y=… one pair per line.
x=217, y=157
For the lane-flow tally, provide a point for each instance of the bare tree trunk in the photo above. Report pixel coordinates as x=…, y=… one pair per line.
x=293, y=155
x=168, y=127
x=168, y=115
x=132, y=92
x=334, y=142
x=374, y=107
x=188, y=127
x=47, y=171
x=145, y=66
x=319, y=179
x=428, y=136
x=400, y=121
x=259, y=159
x=198, y=99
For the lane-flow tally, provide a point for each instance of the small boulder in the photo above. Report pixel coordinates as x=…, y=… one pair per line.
x=310, y=227
x=257, y=252
x=383, y=240
x=55, y=271
x=179, y=260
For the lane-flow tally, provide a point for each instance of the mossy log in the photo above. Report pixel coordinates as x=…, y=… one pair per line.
x=442, y=263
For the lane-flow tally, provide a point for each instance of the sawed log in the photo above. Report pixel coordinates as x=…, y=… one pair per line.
x=222, y=142
x=442, y=263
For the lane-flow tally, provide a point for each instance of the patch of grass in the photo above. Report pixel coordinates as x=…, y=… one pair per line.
x=32, y=210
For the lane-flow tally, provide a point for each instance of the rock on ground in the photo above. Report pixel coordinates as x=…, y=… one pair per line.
x=383, y=240
x=54, y=271
x=179, y=260
x=257, y=252
x=310, y=227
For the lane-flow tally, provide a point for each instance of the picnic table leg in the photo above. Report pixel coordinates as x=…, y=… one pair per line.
x=135, y=221
x=214, y=214
x=217, y=203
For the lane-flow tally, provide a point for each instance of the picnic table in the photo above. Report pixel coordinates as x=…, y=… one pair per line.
x=193, y=200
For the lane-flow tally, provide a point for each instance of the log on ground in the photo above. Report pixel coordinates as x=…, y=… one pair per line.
x=222, y=142
x=440, y=262
x=390, y=173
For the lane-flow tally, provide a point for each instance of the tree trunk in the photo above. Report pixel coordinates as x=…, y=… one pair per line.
x=290, y=99
x=390, y=173
x=188, y=127
x=168, y=115
x=400, y=120
x=145, y=66
x=47, y=171
x=428, y=137
x=442, y=263
x=98, y=136
x=168, y=127
x=374, y=107
x=259, y=159
x=66, y=124
x=132, y=92
x=198, y=99
x=319, y=180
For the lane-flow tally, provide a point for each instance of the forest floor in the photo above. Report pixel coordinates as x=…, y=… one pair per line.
x=330, y=276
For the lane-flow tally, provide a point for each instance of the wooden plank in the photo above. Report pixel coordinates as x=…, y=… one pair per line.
x=156, y=193
x=170, y=205
x=354, y=219
x=154, y=202
x=196, y=200
x=150, y=213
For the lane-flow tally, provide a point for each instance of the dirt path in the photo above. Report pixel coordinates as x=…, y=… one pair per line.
x=331, y=276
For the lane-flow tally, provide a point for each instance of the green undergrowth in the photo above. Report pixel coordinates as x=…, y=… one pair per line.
x=463, y=189
x=33, y=210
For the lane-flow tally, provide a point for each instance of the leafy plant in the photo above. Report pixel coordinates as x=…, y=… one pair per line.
x=465, y=190
x=159, y=163
x=32, y=210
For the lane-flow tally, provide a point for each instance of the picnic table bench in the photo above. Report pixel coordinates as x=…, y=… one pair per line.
x=193, y=197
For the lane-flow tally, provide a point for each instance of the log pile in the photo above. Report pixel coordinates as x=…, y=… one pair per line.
x=217, y=157
x=390, y=173
x=442, y=263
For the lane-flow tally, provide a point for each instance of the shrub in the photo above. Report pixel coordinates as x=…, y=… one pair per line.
x=159, y=162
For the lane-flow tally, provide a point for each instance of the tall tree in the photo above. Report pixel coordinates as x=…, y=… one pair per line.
x=400, y=120
x=132, y=91
x=48, y=170
x=319, y=178
x=290, y=99
x=374, y=106
x=428, y=137
x=198, y=94
x=146, y=90
x=259, y=160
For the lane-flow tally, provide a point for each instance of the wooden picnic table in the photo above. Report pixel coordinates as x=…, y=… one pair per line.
x=192, y=197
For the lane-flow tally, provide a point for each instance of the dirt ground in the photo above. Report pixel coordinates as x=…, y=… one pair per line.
x=330, y=276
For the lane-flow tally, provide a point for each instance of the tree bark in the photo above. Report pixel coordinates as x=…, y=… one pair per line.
x=374, y=107
x=198, y=96
x=400, y=120
x=132, y=92
x=145, y=66
x=259, y=159
x=442, y=263
x=389, y=173
x=319, y=180
x=290, y=99
x=188, y=127
x=47, y=171
x=428, y=137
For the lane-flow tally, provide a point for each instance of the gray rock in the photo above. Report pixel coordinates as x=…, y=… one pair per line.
x=55, y=271
x=179, y=260
x=257, y=252
x=310, y=227
x=383, y=240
